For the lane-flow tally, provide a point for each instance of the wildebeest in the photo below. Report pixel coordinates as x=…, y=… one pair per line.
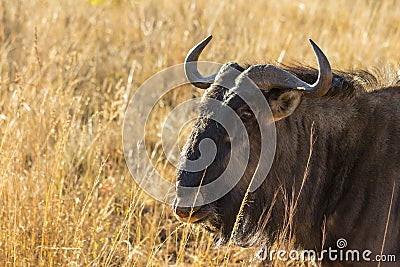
x=347, y=184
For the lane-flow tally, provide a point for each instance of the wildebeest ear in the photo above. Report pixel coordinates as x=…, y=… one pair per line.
x=285, y=104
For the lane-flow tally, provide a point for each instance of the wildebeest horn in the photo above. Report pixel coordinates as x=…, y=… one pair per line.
x=191, y=71
x=269, y=76
x=321, y=86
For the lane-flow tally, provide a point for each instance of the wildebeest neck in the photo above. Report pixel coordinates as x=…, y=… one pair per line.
x=316, y=150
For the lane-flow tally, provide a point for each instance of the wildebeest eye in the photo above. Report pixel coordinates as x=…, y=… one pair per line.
x=245, y=114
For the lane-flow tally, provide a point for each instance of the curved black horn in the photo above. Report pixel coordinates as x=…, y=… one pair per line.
x=191, y=71
x=269, y=76
x=321, y=86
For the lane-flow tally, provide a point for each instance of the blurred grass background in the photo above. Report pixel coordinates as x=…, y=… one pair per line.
x=67, y=72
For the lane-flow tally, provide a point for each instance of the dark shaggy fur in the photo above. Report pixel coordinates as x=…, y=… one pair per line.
x=353, y=169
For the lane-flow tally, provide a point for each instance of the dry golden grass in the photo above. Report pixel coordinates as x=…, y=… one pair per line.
x=67, y=72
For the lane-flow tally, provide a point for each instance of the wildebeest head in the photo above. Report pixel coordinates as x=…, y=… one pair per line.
x=280, y=89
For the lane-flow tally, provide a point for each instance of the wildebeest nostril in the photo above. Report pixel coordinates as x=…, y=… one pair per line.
x=187, y=211
x=184, y=212
x=188, y=199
